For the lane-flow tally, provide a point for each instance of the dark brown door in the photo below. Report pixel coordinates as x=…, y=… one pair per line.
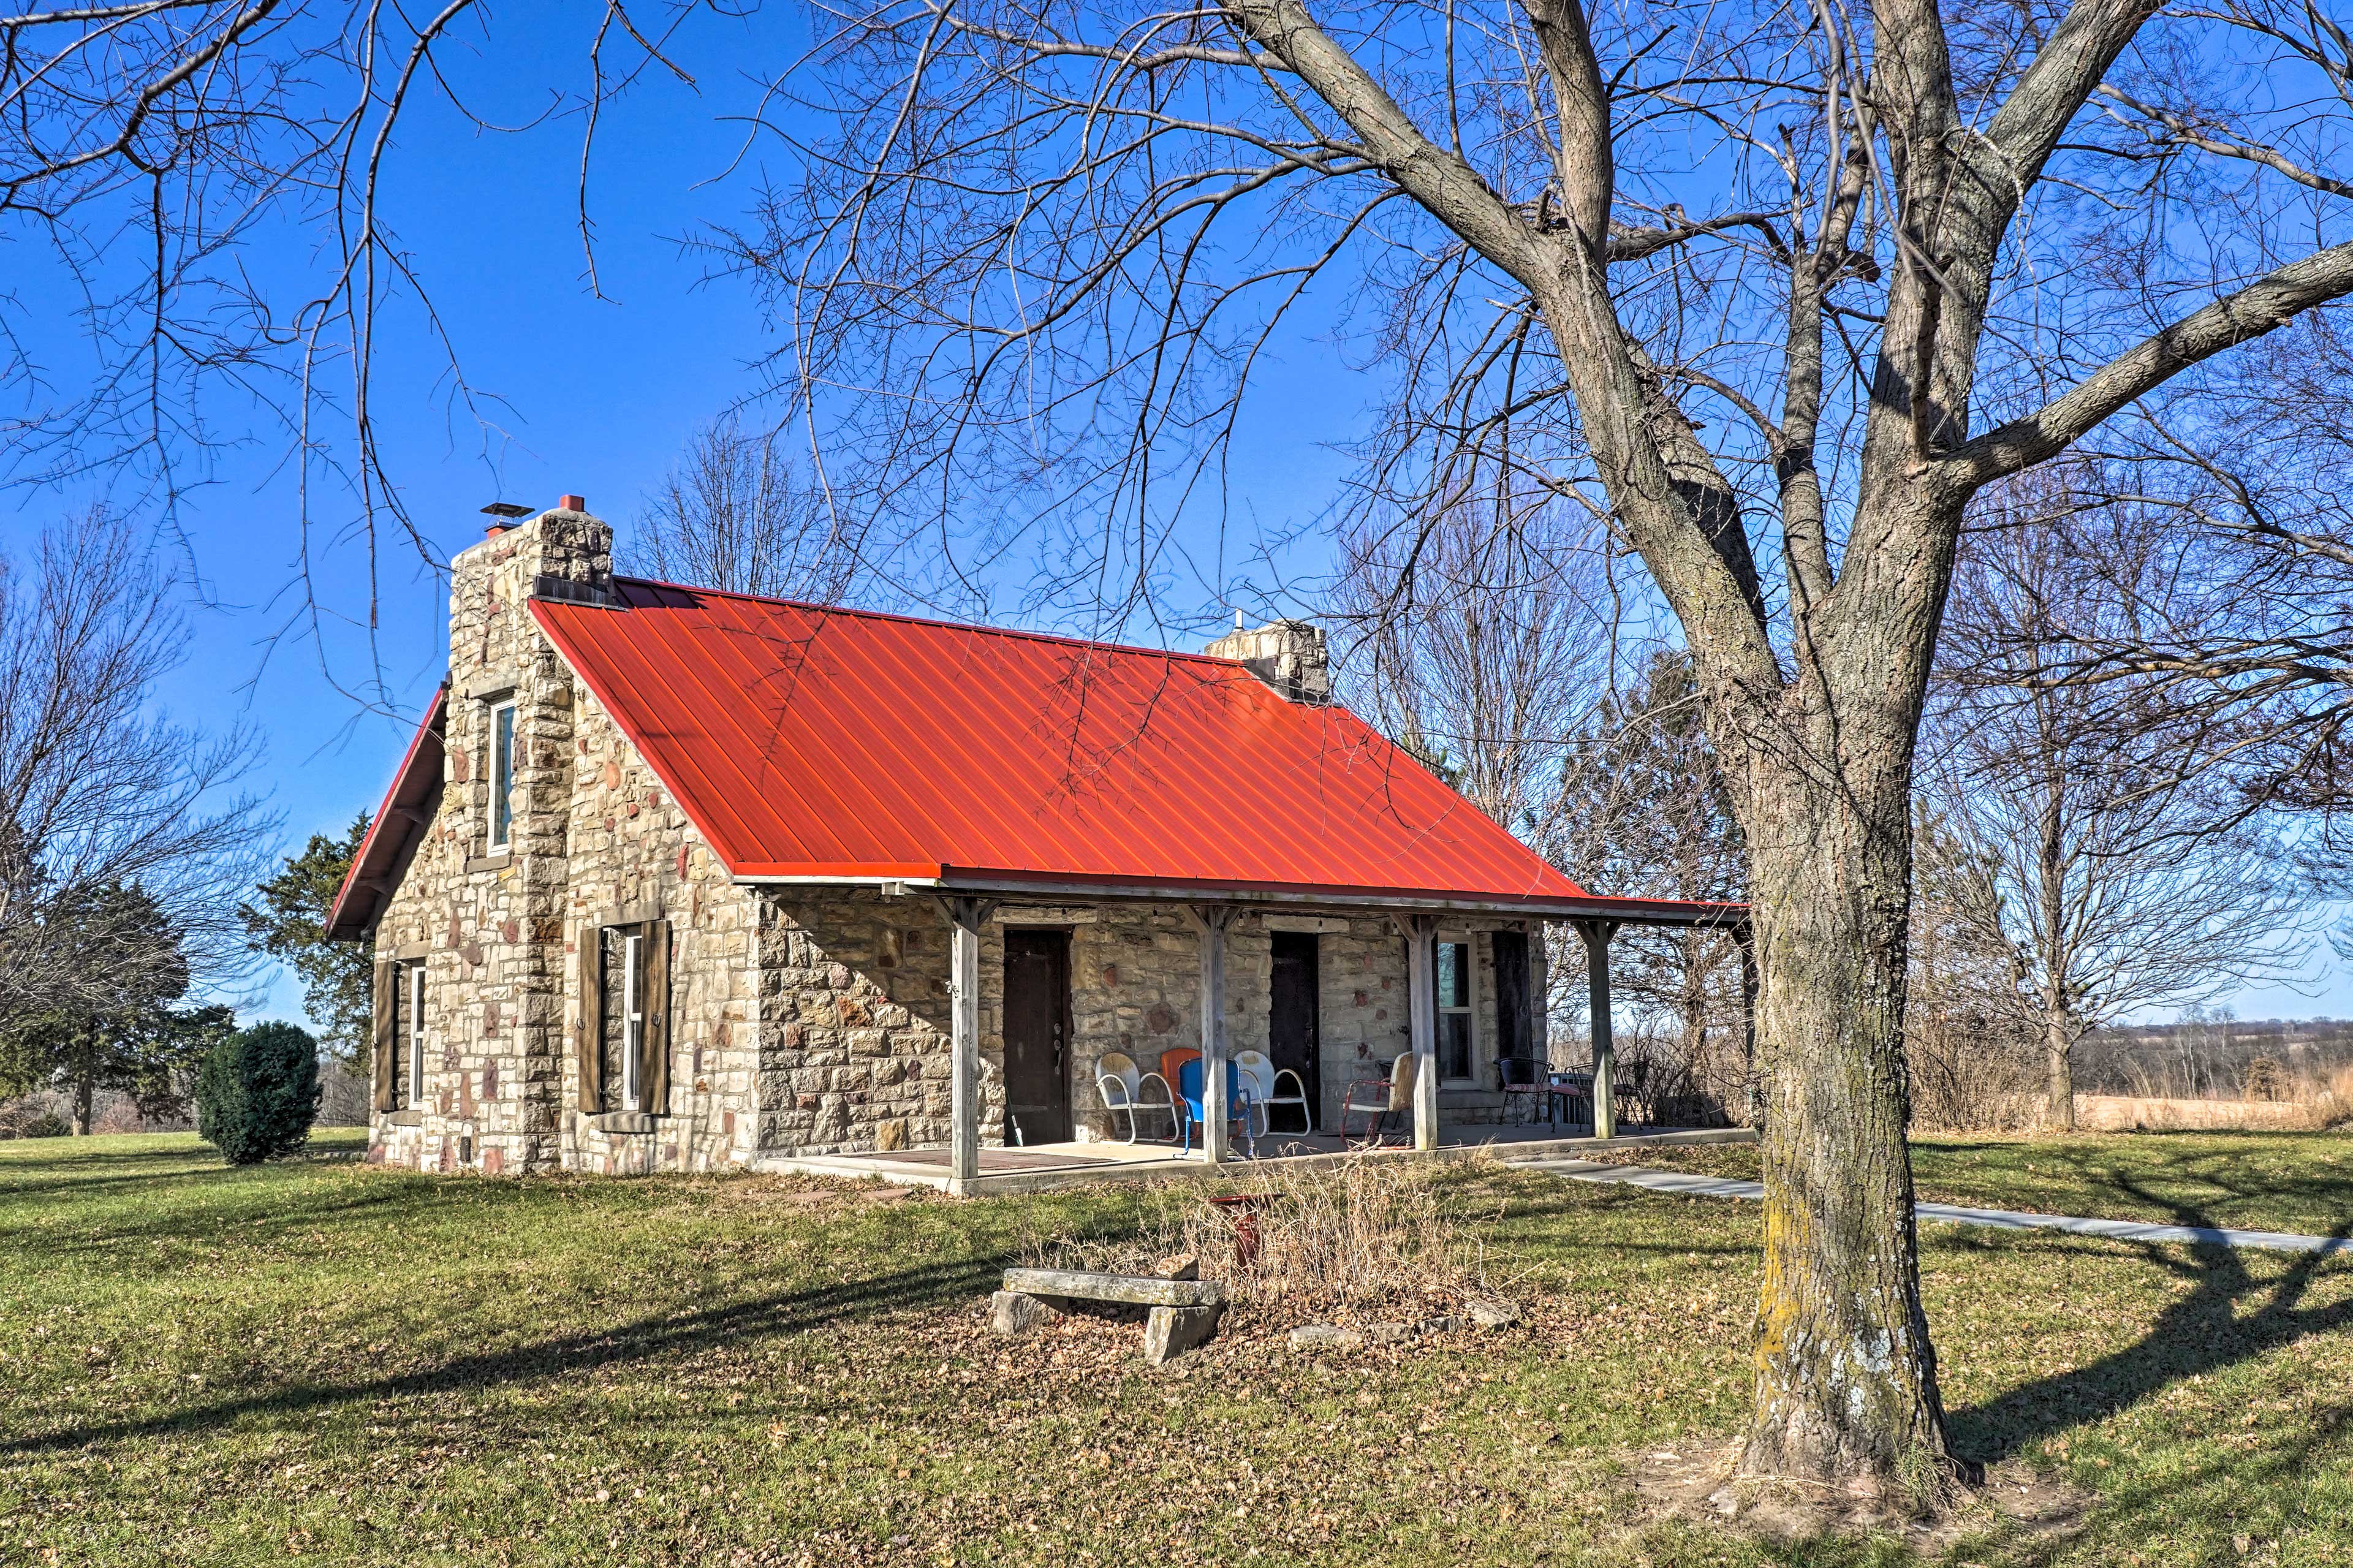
x=1292, y=1027
x=1515, y=1008
x=1036, y=1037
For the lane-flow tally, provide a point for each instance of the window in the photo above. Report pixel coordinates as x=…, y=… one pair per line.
x=503, y=772
x=413, y=1031
x=625, y=1038
x=633, y=1017
x=1453, y=1009
x=400, y=1036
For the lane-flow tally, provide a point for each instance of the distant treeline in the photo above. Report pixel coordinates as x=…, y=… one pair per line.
x=2213, y=1057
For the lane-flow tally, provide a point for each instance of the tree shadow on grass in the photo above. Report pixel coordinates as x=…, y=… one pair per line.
x=2229, y=1316
x=647, y=1338
x=2243, y=1171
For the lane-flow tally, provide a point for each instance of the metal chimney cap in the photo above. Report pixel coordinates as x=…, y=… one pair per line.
x=506, y=509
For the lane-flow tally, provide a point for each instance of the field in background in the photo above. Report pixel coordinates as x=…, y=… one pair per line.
x=346, y=1363
x=2138, y=1113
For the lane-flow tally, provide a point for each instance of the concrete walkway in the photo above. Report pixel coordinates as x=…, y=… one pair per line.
x=1686, y=1185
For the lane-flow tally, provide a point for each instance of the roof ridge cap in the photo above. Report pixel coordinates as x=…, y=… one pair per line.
x=1062, y=638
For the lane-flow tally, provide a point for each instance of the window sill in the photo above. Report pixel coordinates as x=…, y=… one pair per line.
x=405, y=1118
x=623, y=1121
x=498, y=862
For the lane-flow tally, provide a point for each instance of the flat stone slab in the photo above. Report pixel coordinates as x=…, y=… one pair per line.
x=1684, y=1184
x=1314, y=1336
x=1133, y=1290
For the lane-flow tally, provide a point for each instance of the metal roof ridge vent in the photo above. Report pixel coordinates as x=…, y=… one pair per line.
x=1289, y=655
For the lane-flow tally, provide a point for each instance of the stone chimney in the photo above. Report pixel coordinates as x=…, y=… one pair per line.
x=505, y=903
x=1289, y=656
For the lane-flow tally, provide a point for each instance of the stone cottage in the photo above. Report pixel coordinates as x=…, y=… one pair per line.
x=677, y=879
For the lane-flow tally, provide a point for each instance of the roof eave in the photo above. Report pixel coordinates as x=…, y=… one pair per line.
x=371, y=876
x=1119, y=889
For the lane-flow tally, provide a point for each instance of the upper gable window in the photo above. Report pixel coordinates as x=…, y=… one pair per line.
x=502, y=775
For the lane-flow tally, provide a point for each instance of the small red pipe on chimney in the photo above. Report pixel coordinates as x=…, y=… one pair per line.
x=573, y=503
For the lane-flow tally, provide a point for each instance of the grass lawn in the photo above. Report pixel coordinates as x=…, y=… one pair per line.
x=2297, y=1182
x=338, y=1363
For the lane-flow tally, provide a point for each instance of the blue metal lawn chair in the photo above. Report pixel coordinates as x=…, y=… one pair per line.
x=1237, y=1100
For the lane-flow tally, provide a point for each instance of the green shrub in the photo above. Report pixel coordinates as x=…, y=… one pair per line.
x=47, y=1125
x=257, y=1094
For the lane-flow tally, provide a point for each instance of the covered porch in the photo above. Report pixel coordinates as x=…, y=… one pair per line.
x=1007, y=1172
x=966, y=1165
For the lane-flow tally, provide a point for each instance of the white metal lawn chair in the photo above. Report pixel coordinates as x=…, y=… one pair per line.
x=1265, y=1081
x=1128, y=1091
x=1383, y=1103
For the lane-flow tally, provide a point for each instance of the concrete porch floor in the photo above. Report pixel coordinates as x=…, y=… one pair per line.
x=1008, y=1172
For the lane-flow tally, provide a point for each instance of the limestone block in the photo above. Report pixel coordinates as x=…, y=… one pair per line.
x=1170, y=1332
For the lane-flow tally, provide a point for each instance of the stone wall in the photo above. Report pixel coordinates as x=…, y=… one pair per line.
x=635, y=857
x=499, y=933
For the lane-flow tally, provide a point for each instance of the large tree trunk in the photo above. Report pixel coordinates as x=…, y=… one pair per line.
x=84, y=1092
x=1846, y=1379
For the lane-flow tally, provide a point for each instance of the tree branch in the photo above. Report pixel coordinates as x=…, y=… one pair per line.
x=2269, y=302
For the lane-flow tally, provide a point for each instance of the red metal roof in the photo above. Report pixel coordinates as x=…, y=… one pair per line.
x=377, y=865
x=809, y=741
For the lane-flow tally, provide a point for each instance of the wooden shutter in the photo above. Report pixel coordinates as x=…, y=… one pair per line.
x=590, y=1050
x=384, y=1026
x=653, y=1066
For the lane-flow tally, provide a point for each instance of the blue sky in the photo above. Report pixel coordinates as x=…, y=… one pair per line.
x=595, y=397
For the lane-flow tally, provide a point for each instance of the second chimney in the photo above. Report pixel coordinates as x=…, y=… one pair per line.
x=1289, y=656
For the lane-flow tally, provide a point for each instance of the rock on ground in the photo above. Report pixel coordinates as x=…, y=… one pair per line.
x=1314, y=1336
x=1170, y=1332
x=1015, y=1315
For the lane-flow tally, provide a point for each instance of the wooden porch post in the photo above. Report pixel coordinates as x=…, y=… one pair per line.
x=965, y=917
x=1211, y=921
x=1421, y=1003
x=1597, y=935
x=1746, y=937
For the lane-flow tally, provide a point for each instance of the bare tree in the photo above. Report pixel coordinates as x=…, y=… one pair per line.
x=1471, y=642
x=1972, y=1062
x=1481, y=643
x=150, y=146
x=1701, y=269
x=100, y=790
x=1642, y=811
x=733, y=515
x=2114, y=876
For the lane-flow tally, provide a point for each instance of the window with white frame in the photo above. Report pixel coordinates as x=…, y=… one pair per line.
x=413, y=1031
x=1454, y=1028
x=626, y=1016
x=400, y=1036
x=502, y=775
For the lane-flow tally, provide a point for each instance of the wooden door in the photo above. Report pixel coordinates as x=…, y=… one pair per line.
x=1036, y=1037
x=1515, y=1033
x=1293, y=1026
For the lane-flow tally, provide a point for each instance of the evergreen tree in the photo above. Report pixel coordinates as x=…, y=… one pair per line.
x=1644, y=812
x=289, y=924
x=258, y=1092
x=129, y=1037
